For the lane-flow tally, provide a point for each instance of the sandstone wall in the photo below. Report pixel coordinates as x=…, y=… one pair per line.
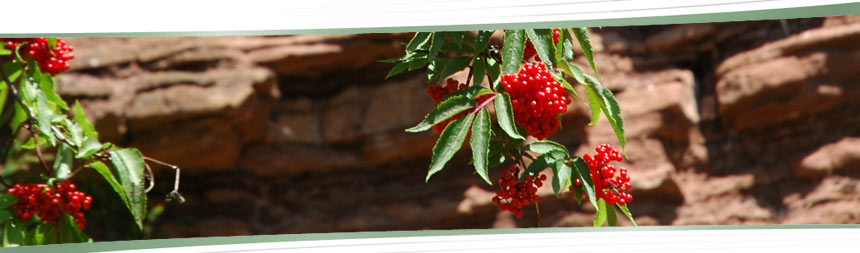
x=728, y=123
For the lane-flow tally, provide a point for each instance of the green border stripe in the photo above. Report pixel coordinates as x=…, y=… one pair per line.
x=228, y=240
x=786, y=13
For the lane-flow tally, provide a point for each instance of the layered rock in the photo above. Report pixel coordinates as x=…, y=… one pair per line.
x=727, y=123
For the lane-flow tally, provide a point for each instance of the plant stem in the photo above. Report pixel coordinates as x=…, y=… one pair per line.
x=39, y=151
x=469, y=78
x=537, y=211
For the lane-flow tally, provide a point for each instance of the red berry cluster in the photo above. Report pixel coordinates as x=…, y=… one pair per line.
x=512, y=196
x=530, y=51
x=608, y=185
x=50, y=60
x=439, y=93
x=50, y=202
x=537, y=99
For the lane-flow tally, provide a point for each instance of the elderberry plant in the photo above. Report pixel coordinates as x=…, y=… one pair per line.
x=35, y=119
x=527, y=93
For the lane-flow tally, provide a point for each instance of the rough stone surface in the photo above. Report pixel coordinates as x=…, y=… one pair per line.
x=727, y=123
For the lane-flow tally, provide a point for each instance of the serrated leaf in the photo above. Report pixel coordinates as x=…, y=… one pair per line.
x=480, y=144
x=572, y=70
x=493, y=73
x=611, y=217
x=418, y=62
x=418, y=41
x=88, y=148
x=44, y=116
x=600, y=216
x=577, y=191
x=449, y=143
x=497, y=154
x=595, y=103
x=512, y=51
x=456, y=64
x=542, y=162
x=546, y=146
x=80, y=118
x=435, y=67
x=613, y=113
x=566, y=46
x=581, y=34
x=561, y=175
x=626, y=212
x=63, y=161
x=584, y=175
x=559, y=78
x=76, y=133
x=505, y=115
x=438, y=41
x=13, y=234
x=47, y=85
x=106, y=173
x=478, y=70
x=6, y=200
x=482, y=41
x=542, y=41
x=397, y=69
x=129, y=165
x=449, y=107
x=69, y=231
x=457, y=37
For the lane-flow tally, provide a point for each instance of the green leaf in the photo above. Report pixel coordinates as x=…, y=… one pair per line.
x=449, y=107
x=47, y=85
x=505, y=115
x=577, y=191
x=584, y=175
x=611, y=217
x=493, y=73
x=105, y=172
x=613, y=114
x=627, y=213
x=600, y=215
x=497, y=154
x=6, y=200
x=480, y=144
x=542, y=162
x=546, y=146
x=449, y=143
x=558, y=77
x=52, y=43
x=478, y=70
x=397, y=69
x=512, y=51
x=581, y=34
x=566, y=45
x=438, y=41
x=44, y=116
x=456, y=64
x=13, y=234
x=595, y=103
x=70, y=232
x=129, y=165
x=572, y=70
x=561, y=176
x=19, y=118
x=542, y=40
x=482, y=41
x=5, y=52
x=418, y=41
x=80, y=118
x=63, y=161
x=457, y=37
x=45, y=233
x=435, y=67
x=418, y=62
x=88, y=148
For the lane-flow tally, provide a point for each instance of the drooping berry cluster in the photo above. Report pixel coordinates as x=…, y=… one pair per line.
x=537, y=99
x=50, y=60
x=529, y=51
x=610, y=183
x=439, y=93
x=512, y=196
x=49, y=202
